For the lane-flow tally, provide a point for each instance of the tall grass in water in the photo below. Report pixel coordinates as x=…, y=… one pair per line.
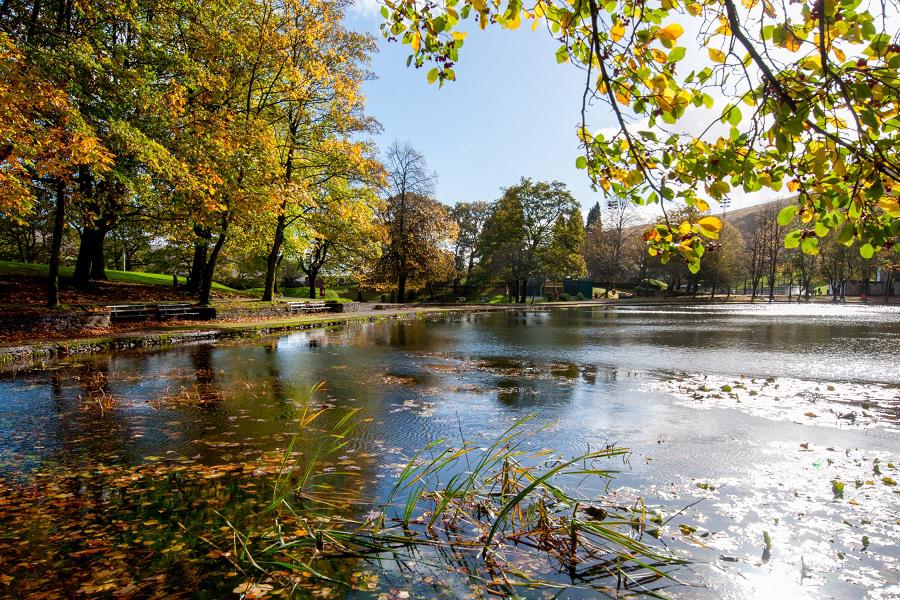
x=503, y=518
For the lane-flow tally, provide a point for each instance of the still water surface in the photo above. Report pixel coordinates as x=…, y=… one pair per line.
x=743, y=416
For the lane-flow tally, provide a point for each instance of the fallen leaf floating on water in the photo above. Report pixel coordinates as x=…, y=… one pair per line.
x=250, y=590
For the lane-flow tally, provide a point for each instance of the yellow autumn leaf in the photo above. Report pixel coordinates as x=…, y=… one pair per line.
x=712, y=223
x=790, y=41
x=671, y=32
x=459, y=35
x=716, y=55
x=793, y=184
x=701, y=205
x=839, y=54
x=839, y=168
x=416, y=41
x=515, y=22
x=684, y=228
x=623, y=96
x=749, y=3
x=890, y=206
x=618, y=30
x=658, y=55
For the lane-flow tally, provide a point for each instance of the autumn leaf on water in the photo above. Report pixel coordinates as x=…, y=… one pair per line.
x=250, y=589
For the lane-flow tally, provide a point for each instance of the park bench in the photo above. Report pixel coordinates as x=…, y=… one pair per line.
x=312, y=306
x=124, y=312
x=177, y=309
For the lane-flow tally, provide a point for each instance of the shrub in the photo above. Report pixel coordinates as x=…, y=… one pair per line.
x=655, y=284
x=580, y=296
x=565, y=297
x=649, y=287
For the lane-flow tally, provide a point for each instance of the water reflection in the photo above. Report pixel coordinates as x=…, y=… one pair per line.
x=651, y=379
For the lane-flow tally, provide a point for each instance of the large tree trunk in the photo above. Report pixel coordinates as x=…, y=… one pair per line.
x=201, y=248
x=85, y=256
x=209, y=268
x=888, y=286
x=312, y=274
x=273, y=259
x=401, y=288
x=98, y=258
x=523, y=290
x=59, y=222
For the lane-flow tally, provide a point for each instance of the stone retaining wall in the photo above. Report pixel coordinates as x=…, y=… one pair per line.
x=62, y=322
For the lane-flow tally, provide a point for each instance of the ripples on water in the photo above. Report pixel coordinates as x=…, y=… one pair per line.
x=649, y=378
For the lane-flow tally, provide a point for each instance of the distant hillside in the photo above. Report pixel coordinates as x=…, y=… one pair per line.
x=745, y=218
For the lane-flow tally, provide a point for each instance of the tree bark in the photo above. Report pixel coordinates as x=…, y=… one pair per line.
x=273, y=259
x=98, y=258
x=401, y=287
x=56, y=245
x=312, y=274
x=85, y=256
x=201, y=248
x=209, y=268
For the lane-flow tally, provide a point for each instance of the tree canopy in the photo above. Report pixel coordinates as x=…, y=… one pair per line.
x=799, y=97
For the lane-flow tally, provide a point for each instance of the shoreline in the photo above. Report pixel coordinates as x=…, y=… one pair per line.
x=33, y=353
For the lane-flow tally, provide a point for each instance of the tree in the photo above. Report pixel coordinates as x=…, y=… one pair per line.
x=408, y=185
x=44, y=138
x=837, y=267
x=317, y=119
x=819, y=82
x=519, y=232
x=607, y=245
x=724, y=265
x=470, y=218
x=564, y=257
x=341, y=232
x=593, y=216
x=419, y=245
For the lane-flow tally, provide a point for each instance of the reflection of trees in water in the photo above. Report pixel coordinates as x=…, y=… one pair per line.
x=87, y=420
x=208, y=392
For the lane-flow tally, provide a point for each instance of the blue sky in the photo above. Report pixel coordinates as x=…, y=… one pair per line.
x=512, y=112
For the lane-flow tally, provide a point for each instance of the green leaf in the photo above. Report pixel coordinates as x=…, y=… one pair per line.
x=676, y=54
x=787, y=214
x=810, y=246
x=867, y=251
x=792, y=240
x=433, y=75
x=845, y=237
x=694, y=265
x=562, y=55
x=581, y=162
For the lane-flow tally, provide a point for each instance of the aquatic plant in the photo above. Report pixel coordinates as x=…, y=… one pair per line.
x=501, y=517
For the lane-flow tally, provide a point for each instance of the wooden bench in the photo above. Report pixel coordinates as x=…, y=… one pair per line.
x=124, y=312
x=177, y=309
x=311, y=306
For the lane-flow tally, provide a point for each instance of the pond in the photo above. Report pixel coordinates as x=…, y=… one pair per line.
x=763, y=444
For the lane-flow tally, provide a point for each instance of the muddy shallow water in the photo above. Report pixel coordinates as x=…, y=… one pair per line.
x=740, y=420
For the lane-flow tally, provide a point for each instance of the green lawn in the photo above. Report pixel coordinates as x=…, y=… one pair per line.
x=135, y=277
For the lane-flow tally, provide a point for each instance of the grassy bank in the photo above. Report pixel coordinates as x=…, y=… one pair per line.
x=30, y=353
x=21, y=269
